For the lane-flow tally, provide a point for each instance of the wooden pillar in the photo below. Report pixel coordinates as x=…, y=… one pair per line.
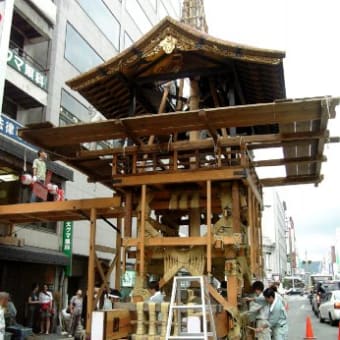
x=209, y=227
x=251, y=230
x=142, y=233
x=118, y=253
x=91, y=269
x=236, y=212
x=195, y=214
x=128, y=214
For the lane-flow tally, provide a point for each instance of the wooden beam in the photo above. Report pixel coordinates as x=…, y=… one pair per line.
x=302, y=179
x=254, y=187
x=252, y=141
x=177, y=241
x=209, y=229
x=293, y=160
x=142, y=233
x=119, y=254
x=59, y=206
x=213, y=133
x=105, y=249
x=180, y=177
x=283, y=112
x=129, y=133
x=91, y=269
x=128, y=214
x=236, y=212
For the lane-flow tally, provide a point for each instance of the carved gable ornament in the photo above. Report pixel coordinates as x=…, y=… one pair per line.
x=168, y=44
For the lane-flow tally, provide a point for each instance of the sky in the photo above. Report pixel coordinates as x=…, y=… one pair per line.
x=309, y=32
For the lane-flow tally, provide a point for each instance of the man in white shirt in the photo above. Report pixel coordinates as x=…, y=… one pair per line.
x=156, y=294
x=4, y=297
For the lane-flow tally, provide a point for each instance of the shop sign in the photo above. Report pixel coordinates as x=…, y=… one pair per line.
x=26, y=69
x=67, y=244
x=9, y=128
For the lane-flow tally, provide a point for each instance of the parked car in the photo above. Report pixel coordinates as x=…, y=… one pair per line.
x=319, y=295
x=329, y=309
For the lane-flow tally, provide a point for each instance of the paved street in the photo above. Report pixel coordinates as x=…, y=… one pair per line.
x=299, y=309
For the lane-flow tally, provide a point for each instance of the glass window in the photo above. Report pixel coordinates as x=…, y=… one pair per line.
x=127, y=40
x=103, y=18
x=71, y=110
x=137, y=14
x=78, y=52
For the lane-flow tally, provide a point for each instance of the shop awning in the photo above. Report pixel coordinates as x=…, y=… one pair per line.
x=33, y=255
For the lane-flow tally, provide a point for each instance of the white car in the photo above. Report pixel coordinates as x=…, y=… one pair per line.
x=330, y=308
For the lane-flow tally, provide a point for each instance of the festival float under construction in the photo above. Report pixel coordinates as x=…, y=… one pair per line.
x=185, y=115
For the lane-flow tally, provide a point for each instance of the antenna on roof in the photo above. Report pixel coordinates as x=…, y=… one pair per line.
x=193, y=14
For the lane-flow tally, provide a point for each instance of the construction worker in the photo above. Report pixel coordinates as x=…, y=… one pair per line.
x=277, y=318
x=259, y=310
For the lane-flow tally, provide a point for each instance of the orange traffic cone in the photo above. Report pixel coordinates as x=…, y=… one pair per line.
x=309, y=329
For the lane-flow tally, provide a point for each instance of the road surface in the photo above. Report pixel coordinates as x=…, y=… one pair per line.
x=298, y=309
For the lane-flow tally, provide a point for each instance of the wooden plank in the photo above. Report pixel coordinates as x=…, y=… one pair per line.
x=91, y=269
x=236, y=214
x=61, y=206
x=234, y=116
x=293, y=160
x=180, y=177
x=268, y=182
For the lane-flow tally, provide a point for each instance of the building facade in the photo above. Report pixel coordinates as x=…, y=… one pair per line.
x=50, y=42
x=274, y=236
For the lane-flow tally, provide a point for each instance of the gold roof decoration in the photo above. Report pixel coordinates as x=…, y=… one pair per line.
x=139, y=69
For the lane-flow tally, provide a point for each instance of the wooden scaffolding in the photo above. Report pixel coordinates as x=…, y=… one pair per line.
x=182, y=166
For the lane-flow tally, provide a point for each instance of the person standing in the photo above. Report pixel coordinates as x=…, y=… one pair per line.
x=33, y=307
x=277, y=319
x=46, y=304
x=4, y=297
x=39, y=171
x=76, y=308
x=259, y=310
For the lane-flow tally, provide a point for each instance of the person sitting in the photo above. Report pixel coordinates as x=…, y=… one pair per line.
x=4, y=297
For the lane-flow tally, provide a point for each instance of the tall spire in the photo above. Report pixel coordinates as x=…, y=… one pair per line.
x=193, y=14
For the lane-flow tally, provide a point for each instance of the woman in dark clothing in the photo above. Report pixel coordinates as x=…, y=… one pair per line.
x=33, y=308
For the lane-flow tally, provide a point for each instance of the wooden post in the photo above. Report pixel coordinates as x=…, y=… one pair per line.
x=250, y=230
x=236, y=207
x=209, y=227
x=91, y=269
x=142, y=233
x=128, y=214
x=118, y=254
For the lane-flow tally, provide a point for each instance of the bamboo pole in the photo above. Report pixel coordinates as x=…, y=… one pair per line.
x=91, y=269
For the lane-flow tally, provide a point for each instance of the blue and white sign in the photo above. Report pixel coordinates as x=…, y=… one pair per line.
x=9, y=128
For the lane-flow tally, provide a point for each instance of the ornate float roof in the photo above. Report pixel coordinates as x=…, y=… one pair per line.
x=173, y=50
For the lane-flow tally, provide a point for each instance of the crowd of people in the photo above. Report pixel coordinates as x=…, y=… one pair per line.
x=269, y=310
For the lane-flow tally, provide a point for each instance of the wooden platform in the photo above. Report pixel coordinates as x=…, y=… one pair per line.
x=72, y=210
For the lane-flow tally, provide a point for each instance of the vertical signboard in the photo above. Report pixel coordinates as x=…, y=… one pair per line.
x=67, y=244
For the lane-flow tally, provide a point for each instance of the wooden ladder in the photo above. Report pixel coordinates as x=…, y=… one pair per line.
x=182, y=283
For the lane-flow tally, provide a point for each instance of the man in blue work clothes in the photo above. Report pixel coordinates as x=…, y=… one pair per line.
x=277, y=319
